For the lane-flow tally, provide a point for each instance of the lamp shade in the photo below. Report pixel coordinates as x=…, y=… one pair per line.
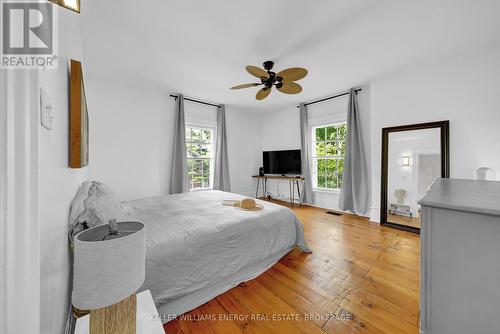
x=110, y=270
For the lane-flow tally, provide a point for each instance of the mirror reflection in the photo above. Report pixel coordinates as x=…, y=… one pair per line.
x=414, y=161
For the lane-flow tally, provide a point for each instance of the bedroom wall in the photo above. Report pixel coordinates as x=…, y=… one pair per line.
x=57, y=183
x=132, y=136
x=244, y=148
x=281, y=130
x=462, y=89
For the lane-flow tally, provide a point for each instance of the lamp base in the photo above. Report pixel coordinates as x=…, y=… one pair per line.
x=119, y=318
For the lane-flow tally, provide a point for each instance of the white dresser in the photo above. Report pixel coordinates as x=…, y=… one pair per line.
x=460, y=258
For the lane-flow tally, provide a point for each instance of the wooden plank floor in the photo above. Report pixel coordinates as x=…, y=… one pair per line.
x=360, y=278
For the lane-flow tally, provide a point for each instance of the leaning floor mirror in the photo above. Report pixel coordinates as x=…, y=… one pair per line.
x=413, y=156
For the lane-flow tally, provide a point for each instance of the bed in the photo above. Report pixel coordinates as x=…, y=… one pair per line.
x=196, y=248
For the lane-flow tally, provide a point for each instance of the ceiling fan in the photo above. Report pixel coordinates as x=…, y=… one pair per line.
x=284, y=81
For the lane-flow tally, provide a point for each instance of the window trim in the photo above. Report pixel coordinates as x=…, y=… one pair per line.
x=323, y=123
x=213, y=128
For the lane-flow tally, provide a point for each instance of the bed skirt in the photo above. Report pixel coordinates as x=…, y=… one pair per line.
x=168, y=311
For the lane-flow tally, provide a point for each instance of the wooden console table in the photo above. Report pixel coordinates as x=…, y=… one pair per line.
x=292, y=181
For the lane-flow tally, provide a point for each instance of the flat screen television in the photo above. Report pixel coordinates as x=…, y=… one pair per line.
x=282, y=162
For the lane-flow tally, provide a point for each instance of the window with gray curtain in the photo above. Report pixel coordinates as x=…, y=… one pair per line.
x=200, y=150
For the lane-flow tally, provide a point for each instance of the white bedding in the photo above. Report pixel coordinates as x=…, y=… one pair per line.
x=194, y=243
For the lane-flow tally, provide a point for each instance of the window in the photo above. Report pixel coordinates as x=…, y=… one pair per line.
x=200, y=157
x=328, y=151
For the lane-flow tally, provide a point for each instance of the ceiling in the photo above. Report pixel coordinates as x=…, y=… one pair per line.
x=201, y=48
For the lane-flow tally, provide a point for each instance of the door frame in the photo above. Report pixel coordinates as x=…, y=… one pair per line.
x=19, y=215
x=444, y=127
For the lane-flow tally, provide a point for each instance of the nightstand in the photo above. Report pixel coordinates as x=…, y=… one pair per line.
x=148, y=321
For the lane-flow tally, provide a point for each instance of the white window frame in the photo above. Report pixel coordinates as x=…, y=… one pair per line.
x=322, y=123
x=213, y=128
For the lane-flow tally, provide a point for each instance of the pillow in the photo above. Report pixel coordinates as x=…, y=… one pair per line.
x=77, y=206
x=104, y=203
x=94, y=204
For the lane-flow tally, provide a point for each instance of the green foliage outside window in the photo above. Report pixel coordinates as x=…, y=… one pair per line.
x=328, y=154
x=200, y=154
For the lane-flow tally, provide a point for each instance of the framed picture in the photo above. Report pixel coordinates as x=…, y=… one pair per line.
x=78, y=118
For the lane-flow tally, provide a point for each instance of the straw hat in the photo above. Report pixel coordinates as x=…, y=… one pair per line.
x=248, y=204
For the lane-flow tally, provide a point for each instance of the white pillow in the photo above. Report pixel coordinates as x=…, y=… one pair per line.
x=77, y=206
x=94, y=204
x=104, y=203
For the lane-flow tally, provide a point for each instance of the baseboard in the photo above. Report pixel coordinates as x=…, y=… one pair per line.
x=340, y=211
x=375, y=215
x=287, y=201
x=285, y=198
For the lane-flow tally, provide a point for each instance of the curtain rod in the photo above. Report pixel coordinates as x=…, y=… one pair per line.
x=329, y=98
x=196, y=101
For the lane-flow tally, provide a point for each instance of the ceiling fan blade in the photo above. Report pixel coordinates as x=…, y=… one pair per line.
x=257, y=71
x=245, y=85
x=292, y=73
x=290, y=88
x=263, y=93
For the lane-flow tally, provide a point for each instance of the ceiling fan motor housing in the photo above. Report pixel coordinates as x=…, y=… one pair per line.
x=272, y=78
x=268, y=65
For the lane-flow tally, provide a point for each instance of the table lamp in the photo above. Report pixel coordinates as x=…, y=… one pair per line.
x=400, y=195
x=109, y=268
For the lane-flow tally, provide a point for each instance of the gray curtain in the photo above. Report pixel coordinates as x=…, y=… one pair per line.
x=305, y=140
x=178, y=177
x=355, y=193
x=221, y=170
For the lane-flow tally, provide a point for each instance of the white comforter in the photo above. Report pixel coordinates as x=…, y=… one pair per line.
x=193, y=241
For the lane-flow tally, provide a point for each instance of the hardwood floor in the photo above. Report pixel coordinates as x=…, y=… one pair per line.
x=360, y=278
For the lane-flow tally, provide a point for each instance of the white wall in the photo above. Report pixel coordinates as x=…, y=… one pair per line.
x=281, y=131
x=244, y=149
x=58, y=183
x=462, y=89
x=131, y=132
x=132, y=139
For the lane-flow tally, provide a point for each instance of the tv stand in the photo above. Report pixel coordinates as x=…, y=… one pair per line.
x=292, y=181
